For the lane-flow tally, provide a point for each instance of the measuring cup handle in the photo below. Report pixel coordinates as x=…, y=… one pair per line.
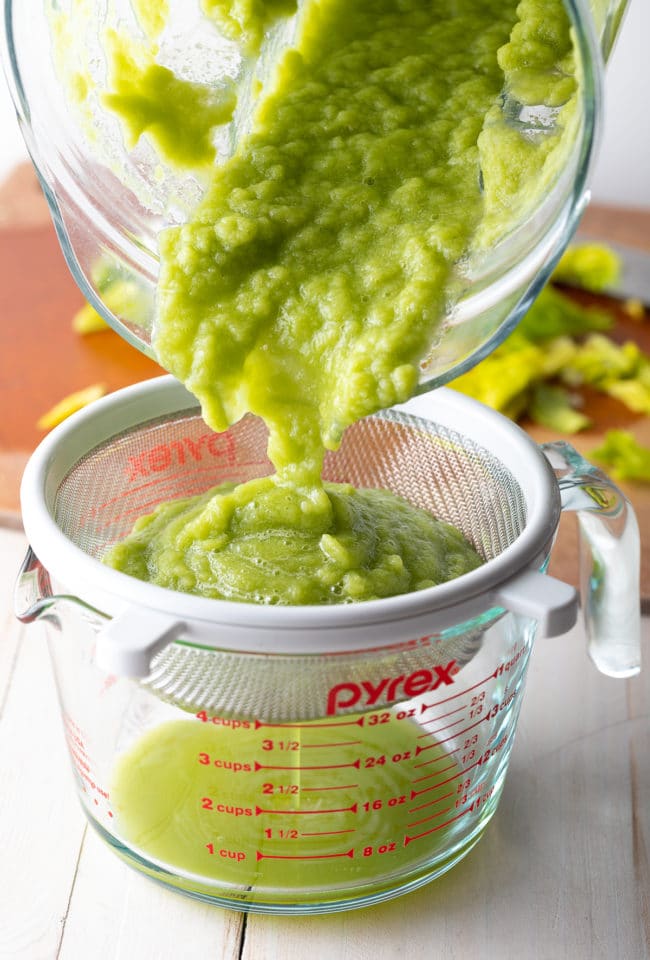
x=609, y=560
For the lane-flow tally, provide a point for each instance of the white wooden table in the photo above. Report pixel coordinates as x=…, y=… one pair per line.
x=562, y=872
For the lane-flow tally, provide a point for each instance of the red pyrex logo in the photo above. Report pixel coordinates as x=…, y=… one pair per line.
x=175, y=453
x=388, y=689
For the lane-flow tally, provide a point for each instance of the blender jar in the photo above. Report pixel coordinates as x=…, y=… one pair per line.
x=308, y=759
x=109, y=204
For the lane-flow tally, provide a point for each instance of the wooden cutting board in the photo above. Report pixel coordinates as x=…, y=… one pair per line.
x=43, y=360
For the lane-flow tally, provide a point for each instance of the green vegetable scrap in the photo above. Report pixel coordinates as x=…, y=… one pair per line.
x=554, y=314
x=552, y=407
x=622, y=371
x=589, y=265
x=626, y=459
x=563, y=342
x=505, y=379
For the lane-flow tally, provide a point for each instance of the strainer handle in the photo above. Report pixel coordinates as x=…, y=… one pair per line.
x=609, y=560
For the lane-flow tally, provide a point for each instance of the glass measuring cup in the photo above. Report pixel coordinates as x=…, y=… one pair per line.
x=109, y=204
x=308, y=759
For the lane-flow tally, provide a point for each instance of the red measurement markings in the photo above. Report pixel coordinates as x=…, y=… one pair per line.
x=310, y=725
x=433, y=816
x=345, y=786
x=498, y=672
x=331, y=766
x=353, y=809
x=431, y=803
x=91, y=783
x=161, y=456
x=484, y=758
x=443, y=715
x=328, y=833
x=454, y=696
x=430, y=746
x=435, y=773
x=74, y=732
x=446, y=726
x=341, y=743
x=441, y=783
x=169, y=482
x=317, y=856
x=440, y=826
x=161, y=484
x=80, y=759
x=443, y=756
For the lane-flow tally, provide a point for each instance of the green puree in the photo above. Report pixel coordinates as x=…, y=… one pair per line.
x=306, y=288
x=187, y=794
x=310, y=281
x=306, y=285
x=267, y=543
x=247, y=20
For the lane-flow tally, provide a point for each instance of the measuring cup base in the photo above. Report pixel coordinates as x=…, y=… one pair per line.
x=255, y=901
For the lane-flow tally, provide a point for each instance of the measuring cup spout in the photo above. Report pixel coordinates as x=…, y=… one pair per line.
x=33, y=591
x=34, y=598
x=609, y=560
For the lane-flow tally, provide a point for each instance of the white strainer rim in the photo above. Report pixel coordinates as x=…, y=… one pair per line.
x=112, y=592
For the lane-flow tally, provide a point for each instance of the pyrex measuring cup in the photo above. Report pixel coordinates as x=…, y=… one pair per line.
x=308, y=759
x=109, y=203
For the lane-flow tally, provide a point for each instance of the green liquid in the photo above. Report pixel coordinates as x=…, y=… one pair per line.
x=220, y=803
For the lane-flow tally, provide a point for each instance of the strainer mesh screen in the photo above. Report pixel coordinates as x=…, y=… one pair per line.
x=177, y=456
x=434, y=468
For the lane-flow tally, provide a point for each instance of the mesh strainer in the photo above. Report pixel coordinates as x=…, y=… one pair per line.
x=101, y=470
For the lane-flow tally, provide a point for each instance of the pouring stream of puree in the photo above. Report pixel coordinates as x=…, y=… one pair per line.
x=309, y=282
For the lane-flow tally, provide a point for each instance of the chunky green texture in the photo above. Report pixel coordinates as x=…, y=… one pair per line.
x=554, y=314
x=558, y=344
x=525, y=141
x=311, y=280
x=269, y=543
x=246, y=21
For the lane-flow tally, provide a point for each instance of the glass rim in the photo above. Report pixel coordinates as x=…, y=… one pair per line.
x=496, y=287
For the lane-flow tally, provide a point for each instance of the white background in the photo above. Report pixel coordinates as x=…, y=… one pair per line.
x=622, y=174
